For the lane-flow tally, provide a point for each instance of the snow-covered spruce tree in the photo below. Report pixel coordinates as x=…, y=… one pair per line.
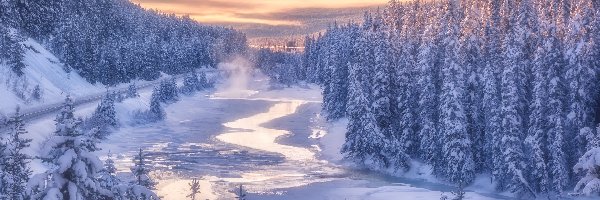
x=513, y=166
x=156, y=111
x=203, y=81
x=105, y=117
x=471, y=60
x=37, y=94
x=492, y=98
x=537, y=138
x=456, y=150
x=428, y=100
x=556, y=111
x=382, y=83
x=404, y=93
x=141, y=171
x=132, y=91
x=335, y=98
x=364, y=54
x=589, y=164
x=13, y=53
x=14, y=163
x=527, y=29
x=382, y=80
x=108, y=178
x=167, y=91
x=365, y=143
x=122, y=190
x=191, y=84
x=324, y=72
x=75, y=168
x=581, y=74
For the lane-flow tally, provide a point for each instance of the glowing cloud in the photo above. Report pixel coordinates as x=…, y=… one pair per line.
x=262, y=13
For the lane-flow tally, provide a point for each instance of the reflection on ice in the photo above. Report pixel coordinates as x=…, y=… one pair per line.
x=257, y=137
x=300, y=167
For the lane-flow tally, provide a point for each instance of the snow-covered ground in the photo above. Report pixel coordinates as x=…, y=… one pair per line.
x=43, y=69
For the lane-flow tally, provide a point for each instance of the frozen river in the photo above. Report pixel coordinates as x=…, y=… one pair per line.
x=230, y=139
x=269, y=140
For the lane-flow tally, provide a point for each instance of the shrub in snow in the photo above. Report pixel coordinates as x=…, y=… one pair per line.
x=194, y=189
x=240, y=193
x=458, y=194
x=36, y=94
x=191, y=84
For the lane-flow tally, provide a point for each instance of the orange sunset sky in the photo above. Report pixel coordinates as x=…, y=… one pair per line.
x=267, y=17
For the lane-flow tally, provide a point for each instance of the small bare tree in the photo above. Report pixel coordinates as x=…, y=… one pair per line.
x=240, y=193
x=194, y=189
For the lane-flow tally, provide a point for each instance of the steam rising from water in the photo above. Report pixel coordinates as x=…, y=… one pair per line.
x=239, y=74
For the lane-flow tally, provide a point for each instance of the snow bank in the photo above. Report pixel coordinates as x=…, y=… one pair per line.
x=331, y=143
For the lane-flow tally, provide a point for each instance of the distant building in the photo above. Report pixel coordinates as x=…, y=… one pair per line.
x=282, y=45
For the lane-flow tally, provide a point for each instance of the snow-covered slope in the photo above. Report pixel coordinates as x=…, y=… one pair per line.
x=45, y=70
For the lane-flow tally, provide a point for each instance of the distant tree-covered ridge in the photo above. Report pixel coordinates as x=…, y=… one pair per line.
x=113, y=41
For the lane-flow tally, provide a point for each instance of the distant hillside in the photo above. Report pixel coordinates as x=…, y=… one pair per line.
x=115, y=41
x=44, y=80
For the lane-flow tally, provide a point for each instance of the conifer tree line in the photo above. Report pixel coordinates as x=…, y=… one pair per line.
x=168, y=92
x=501, y=87
x=280, y=67
x=113, y=41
